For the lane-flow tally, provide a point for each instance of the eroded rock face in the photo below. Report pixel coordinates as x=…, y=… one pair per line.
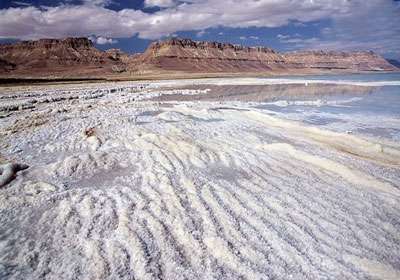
x=70, y=57
x=192, y=56
x=188, y=55
x=357, y=61
x=187, y=43
x=77, y=57
x=6, y=66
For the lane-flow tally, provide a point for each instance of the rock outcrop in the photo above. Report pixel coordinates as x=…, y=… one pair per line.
x=192, y=56
x=77, y=57
x=355, y=61
x=6, y=66
x=69, y=57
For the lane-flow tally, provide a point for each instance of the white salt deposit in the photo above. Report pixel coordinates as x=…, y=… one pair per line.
x=121, y=187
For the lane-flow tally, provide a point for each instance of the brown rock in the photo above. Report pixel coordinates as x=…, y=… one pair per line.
x=357, y=61
x=191, y=56
x=77, y=57
x=70, y=57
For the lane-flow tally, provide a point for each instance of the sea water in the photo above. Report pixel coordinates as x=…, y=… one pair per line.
x=375, y=112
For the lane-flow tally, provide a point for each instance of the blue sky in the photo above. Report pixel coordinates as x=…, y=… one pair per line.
x=284, y=25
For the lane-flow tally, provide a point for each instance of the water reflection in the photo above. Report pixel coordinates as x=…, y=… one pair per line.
x=267, y=93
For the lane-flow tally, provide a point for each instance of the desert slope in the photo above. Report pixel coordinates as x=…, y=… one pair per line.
x=191, y=56
x=188, y=55
x=52, y=57
x=356, y=61
x=77, y=57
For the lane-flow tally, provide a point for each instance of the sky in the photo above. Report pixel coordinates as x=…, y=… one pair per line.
x=284, y=25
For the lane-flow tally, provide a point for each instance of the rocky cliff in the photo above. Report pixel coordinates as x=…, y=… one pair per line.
x=192, y=56
x=355, y=61
x=77, y=57
x=69, y=57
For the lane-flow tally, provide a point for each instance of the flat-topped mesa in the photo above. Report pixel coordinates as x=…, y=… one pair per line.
x=333, y=53
x=69, y=57
x=77, y=57
x=75, y=43
x=199, y=56
x=188, y=43
x=356, y=61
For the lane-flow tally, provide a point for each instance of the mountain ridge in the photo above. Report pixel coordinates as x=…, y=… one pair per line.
x=56, y=56
x=78, y=57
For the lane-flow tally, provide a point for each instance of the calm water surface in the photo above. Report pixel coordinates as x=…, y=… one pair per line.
x=375, y=112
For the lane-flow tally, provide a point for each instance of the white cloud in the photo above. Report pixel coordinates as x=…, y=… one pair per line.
x=250, y=37
x=159, y=3
x=355, y=22
x=31, y=22
x=62, y=21
x=299, y=24
x=102, y=40
x=20, y=3
x=291, y=39
x=372, y=26
x=282, y=36
x=100, y=3
x=200, y=33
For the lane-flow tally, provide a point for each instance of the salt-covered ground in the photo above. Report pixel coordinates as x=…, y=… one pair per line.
x=124, y=183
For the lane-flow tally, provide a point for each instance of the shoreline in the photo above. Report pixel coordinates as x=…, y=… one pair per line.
x=26, y=81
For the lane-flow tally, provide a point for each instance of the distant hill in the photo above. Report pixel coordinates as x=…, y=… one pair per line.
x=191, y=56
x=77, y=57
x=65, y=57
